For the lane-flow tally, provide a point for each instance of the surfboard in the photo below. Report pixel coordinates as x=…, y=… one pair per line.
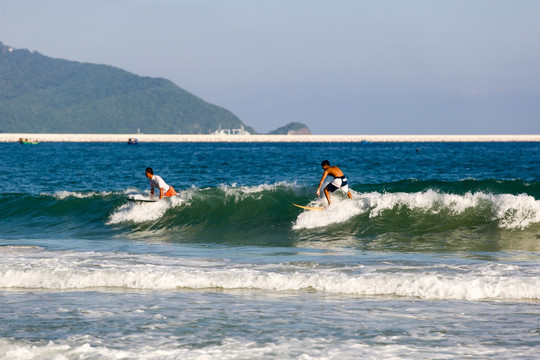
x=316, y=208
x=137, y=200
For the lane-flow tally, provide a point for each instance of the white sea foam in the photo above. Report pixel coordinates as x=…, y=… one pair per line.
x=305, y=348
x=510, y=211
x=148, y=211
x=63, y=194
x=86, y=271
x=243, y=192
x=340, y=211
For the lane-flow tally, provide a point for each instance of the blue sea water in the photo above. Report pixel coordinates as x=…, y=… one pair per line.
x=435, y=257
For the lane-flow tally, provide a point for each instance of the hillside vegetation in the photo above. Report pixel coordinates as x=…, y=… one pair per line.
x=45, y=95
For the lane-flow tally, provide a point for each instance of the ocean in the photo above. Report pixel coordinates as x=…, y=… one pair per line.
x=437, y=256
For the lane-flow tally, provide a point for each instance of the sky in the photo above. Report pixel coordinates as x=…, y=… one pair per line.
x=340, y=67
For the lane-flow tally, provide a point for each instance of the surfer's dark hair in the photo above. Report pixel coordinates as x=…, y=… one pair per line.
x=325, y=162
x=149, y=170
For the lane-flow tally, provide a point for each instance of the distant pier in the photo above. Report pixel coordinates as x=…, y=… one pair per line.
x=210, y=138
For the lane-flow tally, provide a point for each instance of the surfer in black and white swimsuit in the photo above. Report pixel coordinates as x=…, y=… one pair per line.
x=339, y=182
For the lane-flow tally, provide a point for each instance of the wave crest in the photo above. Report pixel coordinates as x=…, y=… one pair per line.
x=473, y=282
x=510, y=211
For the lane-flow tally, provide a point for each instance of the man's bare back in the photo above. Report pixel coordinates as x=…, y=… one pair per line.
x=333, y=171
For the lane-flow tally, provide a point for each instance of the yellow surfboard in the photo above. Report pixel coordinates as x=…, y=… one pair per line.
x=317, y=208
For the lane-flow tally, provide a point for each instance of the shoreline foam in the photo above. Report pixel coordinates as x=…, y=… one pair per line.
x=14, y=137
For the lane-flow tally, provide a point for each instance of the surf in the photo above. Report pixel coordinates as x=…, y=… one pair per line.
x=388, y=214
x=506, y=210
x=39, y=269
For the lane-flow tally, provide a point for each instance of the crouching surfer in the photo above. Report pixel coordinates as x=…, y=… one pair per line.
x=339, y=182
x=156, y=182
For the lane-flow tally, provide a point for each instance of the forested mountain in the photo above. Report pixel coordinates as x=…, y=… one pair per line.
x=46, y=95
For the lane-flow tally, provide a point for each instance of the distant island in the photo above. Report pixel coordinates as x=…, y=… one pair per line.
x=294, y=128
x=40, y=94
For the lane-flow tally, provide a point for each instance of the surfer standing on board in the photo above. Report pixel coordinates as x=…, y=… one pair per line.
x=157, y=182
x=339, y=182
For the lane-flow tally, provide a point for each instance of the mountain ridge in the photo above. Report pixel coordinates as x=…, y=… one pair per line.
x=43, y=94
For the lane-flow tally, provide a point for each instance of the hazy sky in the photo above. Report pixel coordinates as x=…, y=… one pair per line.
x=341, y=66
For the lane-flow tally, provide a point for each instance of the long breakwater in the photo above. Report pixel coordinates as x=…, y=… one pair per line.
x=195, y=138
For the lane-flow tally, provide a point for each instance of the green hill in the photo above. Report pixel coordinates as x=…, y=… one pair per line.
x=294, y=128
x=45, y=95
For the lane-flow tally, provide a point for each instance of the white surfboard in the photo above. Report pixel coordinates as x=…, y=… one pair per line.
x=140, y=200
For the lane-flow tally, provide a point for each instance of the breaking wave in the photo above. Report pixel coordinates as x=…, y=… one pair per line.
x=88, y=271
x=264, y=215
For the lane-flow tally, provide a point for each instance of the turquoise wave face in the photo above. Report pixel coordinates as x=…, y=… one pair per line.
x=407, y=197
x=405, y=216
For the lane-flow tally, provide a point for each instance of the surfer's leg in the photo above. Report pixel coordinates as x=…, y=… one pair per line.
x=330, y=188
x=345, y=188
x=327, y=194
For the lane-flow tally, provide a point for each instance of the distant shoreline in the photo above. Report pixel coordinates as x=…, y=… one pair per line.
x=142, y=138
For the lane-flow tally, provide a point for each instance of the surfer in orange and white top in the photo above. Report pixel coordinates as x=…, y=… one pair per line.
x=339, y=182
x=157, y=182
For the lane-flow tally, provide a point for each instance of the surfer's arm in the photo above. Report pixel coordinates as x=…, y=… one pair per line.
x=321, y=182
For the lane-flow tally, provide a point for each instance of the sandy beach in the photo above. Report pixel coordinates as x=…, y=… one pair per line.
x=14, y=137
